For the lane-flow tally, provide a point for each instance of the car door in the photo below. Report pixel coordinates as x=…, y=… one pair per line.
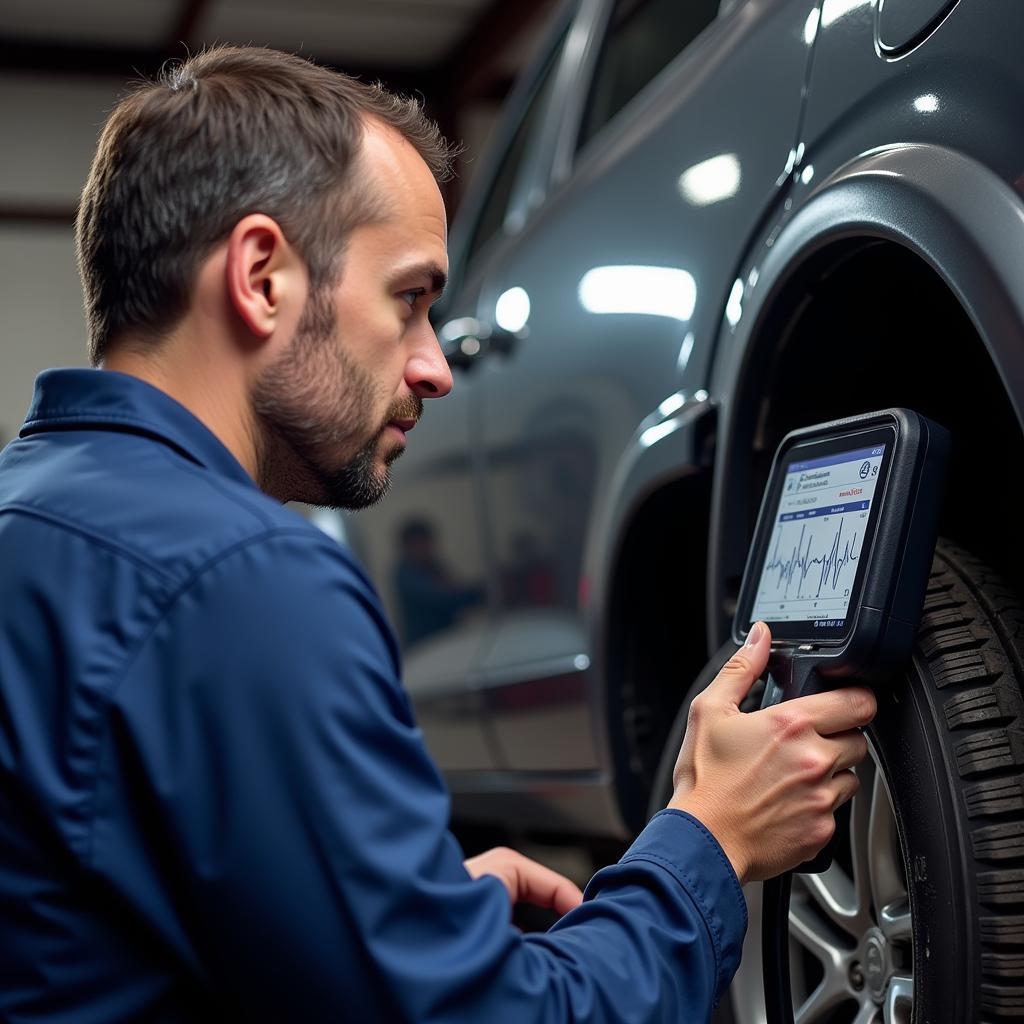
x=613, y=293
x=422, y=547
x=425, y=545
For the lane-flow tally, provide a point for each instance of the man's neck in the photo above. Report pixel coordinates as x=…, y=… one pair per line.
x=216, y=395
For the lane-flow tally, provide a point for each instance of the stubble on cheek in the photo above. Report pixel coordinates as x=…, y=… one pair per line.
x=315, y=414
x=313, y=411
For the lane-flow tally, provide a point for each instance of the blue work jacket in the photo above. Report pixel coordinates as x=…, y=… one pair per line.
x=215, y=803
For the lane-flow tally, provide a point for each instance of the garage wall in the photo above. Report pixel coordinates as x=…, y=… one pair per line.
x=48, y=130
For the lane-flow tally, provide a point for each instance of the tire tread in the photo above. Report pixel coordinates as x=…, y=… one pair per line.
x=972, y=642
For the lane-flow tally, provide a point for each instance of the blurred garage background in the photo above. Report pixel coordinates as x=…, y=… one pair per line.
x=64, y=63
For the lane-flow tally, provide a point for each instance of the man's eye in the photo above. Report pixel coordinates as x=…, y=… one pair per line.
x=411, y=296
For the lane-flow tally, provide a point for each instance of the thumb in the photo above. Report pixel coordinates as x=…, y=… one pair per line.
x=733, y=683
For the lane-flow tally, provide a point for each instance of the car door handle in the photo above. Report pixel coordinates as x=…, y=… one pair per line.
x=467, y=340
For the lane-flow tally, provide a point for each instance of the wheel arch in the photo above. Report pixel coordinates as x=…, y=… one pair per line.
x=645, y=570
x=957, y=232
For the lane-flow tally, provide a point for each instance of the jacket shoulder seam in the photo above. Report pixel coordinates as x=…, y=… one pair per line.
x=70, y=526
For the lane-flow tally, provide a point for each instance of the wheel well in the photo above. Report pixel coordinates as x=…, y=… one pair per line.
x=657, y=630
x=868, y=324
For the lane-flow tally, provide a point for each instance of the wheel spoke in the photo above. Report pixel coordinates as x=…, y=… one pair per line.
x=830, y=914
x=867, y=1013
x=835, y=895
x=807, y=928
x=895, y=923
x=831, y=991
x=887, y=885
x=899, y=1000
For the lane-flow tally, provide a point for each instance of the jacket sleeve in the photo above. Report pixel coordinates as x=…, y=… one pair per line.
x=267, y=807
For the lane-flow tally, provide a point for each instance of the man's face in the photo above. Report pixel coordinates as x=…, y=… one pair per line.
x=335, y=405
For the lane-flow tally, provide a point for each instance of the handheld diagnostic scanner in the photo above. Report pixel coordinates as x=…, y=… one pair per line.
x=840, y=557
x=838, y=568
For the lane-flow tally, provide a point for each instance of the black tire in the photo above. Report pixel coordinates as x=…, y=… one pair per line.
x=949, y=743
x=951, y=735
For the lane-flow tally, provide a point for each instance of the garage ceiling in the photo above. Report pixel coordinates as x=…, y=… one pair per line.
x=398, y=33
x=459, y=55
x=400, y=38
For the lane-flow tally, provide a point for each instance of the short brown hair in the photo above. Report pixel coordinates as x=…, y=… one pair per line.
x=228, y=132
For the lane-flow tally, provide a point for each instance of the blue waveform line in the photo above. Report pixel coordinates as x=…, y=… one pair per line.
x=800, y=561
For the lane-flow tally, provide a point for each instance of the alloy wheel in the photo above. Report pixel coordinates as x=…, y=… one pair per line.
x=851, y=935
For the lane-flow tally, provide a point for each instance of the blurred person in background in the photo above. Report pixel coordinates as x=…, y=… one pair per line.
x=429, y=598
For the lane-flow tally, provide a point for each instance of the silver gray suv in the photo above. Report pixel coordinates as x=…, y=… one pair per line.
x=703, y=224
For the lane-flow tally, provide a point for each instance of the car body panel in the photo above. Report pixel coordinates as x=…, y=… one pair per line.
x=650, y=260
x=959, y=89
x=566, y=423
x=920, y=151
x=440, y=488
x=934, y=201
x=903, y=24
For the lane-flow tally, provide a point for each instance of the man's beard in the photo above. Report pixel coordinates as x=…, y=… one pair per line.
x=314, y=402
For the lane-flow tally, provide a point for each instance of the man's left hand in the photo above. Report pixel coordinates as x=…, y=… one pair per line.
x=526, y=880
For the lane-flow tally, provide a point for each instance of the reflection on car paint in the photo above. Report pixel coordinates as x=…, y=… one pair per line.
x=512, y=310
x=651, y=291
x=712, y=180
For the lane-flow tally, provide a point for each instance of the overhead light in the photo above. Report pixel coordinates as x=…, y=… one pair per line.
x=653, y=291
x=927, y=104
x=712, y=180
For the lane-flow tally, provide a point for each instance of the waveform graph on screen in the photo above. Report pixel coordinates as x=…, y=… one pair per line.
x=811, y=565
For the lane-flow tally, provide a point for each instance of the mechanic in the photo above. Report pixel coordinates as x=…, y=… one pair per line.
x=214, y=800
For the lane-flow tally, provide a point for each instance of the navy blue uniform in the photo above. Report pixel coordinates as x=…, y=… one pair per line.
x=215, y=803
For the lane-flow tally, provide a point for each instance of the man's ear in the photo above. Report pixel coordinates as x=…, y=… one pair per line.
x=263, y=274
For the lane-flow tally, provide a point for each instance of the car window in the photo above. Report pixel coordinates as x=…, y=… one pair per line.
x=495, y=207
x=643, y=36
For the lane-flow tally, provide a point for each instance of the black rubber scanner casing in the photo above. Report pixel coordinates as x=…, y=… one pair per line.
x=886, y=617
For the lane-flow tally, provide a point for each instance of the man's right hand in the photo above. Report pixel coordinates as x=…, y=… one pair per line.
x=766, y=784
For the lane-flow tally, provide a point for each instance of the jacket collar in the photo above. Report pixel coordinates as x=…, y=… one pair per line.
x=78, y=399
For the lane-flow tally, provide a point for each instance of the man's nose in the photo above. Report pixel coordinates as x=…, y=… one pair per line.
x=427, y=372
